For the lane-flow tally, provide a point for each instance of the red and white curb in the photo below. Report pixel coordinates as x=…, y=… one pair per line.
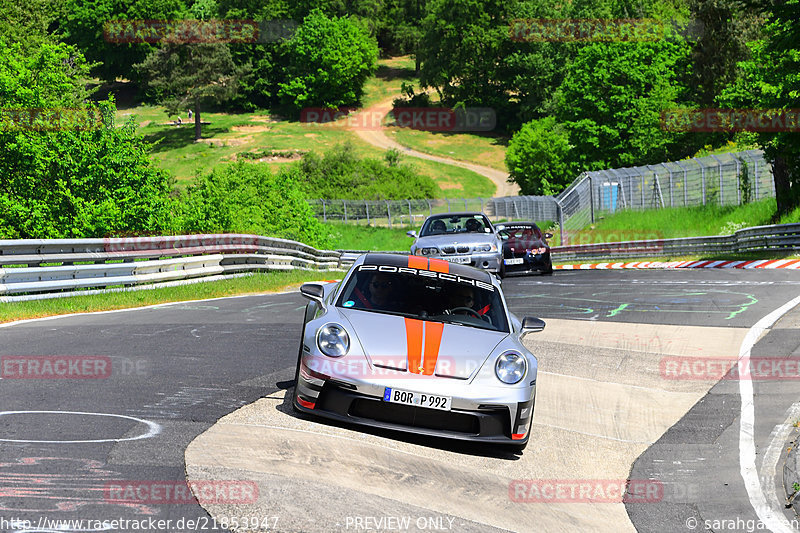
x=760, y=263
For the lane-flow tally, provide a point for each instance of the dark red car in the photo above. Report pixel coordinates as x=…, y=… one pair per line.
x=525, y=248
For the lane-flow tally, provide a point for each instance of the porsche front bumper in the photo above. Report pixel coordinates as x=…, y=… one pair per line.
x=475, y=419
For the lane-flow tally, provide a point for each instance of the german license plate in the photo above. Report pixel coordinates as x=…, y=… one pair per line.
x=458, y=258
x=417, y=399
x=513, y=261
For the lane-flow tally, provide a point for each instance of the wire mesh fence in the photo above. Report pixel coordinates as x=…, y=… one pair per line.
x=391, y=212
x=725, y=179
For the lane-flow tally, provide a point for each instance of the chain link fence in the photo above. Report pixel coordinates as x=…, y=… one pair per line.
x=725, y=179
x=392, y=213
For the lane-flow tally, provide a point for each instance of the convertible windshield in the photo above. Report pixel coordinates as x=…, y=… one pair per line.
x=455, y=224
x=425, y=295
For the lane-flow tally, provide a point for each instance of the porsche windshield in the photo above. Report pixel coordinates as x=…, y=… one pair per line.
x=425, y=295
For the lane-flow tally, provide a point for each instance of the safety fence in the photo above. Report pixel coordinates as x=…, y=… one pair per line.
x=38, y=266
x=770, y=240
x=725, y=179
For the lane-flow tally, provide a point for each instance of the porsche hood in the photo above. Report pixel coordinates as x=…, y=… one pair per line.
x=422, y=347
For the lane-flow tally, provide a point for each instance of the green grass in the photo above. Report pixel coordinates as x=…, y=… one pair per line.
x=255, y=284
x=388, y=79
x=668, y=223
x=482, y=149
x=375, y=238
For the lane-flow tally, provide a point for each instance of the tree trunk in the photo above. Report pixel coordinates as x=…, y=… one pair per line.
x=196, y=122
x=780, y=173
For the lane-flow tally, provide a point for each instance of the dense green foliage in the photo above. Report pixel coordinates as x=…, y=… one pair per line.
x=248, y=198
x=326, y=63
x=538, y=157
x=572, y=103
x=69, y=172
x=340, y=173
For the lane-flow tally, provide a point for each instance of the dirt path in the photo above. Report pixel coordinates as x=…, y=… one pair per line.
x=377, y=137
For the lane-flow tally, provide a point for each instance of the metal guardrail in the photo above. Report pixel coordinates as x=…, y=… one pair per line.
x=35, y=266
x=775, y=238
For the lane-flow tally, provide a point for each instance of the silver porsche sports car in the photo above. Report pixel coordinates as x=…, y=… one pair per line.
x=420, y=345
x=465, y=238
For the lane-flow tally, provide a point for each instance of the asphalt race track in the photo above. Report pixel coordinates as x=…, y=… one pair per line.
x=608, y=409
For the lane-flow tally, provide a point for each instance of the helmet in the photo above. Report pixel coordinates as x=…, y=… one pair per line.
x=474, y=225
x=437, y=226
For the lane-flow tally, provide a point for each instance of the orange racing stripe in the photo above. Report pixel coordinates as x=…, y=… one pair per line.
x=440, y=265
x=415, y=261
x=433, y=339
x=414, y=343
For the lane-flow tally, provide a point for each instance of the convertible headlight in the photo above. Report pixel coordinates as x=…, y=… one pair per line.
x=429, y=251
x=510, y=367
x=333, y=340
x=486, y=248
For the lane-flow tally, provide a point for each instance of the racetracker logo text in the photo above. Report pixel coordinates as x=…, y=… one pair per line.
x=181, y=492
x=416, y=118
x=585, y=491
x=197, y=31
x=714, y=369
x=55, y=367
x=756, y=120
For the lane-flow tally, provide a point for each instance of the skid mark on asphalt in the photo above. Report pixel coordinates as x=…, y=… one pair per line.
x=30, y=481
x=610, y=303
x=601, y=402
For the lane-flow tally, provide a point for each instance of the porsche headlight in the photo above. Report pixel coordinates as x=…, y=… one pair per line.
x=510, y=367
x=428, y=251
x=333, y=340
x=486, y=248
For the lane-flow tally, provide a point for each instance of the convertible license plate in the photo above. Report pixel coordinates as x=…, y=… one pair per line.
x=514, y=261
x=458, y=258
x=417, y=399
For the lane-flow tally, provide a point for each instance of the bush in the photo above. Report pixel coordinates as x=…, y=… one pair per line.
x=327, y=62
x=538, y=158
x=341, y=174
x=247, y=198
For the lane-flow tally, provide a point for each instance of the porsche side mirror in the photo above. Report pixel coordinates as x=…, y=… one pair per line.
x=314, y=292
x=548, y=235
x=531, y=324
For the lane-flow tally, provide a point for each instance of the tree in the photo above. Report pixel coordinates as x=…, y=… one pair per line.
x=65, y=169
x=538, y=158
x=770, y=80
x=723, y=27
x=464, y=51
x=86, y=25
x=326, y=63
x=611, y=101
x=182, y=76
